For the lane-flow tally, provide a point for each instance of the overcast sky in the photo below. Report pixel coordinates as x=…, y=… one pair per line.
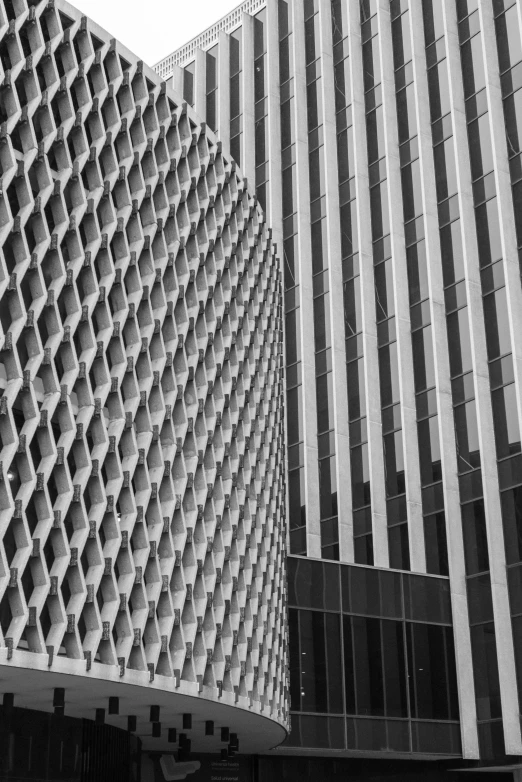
x=152, y=29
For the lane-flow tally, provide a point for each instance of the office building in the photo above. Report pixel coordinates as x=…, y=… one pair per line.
x=142, y=476
x=382, y=139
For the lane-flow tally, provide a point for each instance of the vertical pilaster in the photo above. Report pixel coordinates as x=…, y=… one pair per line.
x=248, y=152
x=223, y=107
x=455, y=543
x=495, y=535
x=274, y=125
x=508, y=235
x=400, y=293
x=303, y=218
x=333, y=228
x=371, y=359
x=200, y=85
x=176, y=80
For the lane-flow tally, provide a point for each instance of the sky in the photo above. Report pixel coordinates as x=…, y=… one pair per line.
x=152, y=29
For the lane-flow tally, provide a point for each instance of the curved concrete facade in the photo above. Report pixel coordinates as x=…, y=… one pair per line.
x=142, y=517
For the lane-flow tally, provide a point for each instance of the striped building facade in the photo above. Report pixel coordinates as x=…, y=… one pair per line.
x=382, y=139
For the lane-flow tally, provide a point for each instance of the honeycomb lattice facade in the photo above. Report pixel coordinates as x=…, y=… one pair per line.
x=142, y=516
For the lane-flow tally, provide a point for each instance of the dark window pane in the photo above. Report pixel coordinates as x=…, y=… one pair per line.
x=356, y=389
x=452, y=255
x=407, y=120
x=417, y=272
x=433, y=737
x=485, y=669
x=319, y=247
x=513, y=119
x=491, y=741
x=497, y=324
x=313, y=584
x=287, y=124
x=475, y=537
x=352, y=306
x=445, y=169
x=472, y=66
x=236, y=40
x=459, y=342
x=349, y=235
x=294, y=660
x=427, y=599
x=488, y=232
x=360, y=476
x=433, y=21
x=298, y=541
x=212, y=68
x=399, y=547
x=505, y=415
x=479, y=599
x=349, y=680
x=294, y=415
x=512, y=522
x=320, y=662
x=188, y=84
x=296, y=492
x=481, y=151
x=423, y=362
x=436, y=544
x=363, y=549
x=378, y=735
x=439, y=90
x=389, y=375
x=371, y=592
x=431, y=663
x=317, y=732
x=379, y=211
x=394, y=464
x=345, y=155
x=328, y=493
x=508, y=39
x=235, y=96
x=394, y=669
x=368, y=666
x=211, y=110
x=384, y=290
x=375, y=135
x=517, y=641
x=466, y=433
x=429, y=451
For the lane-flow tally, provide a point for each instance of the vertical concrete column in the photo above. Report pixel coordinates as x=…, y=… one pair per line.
x=335, y=276
x=304, y=245
x=508, y=234
x=273, y=141
x=401, y=295
x=371, y=358
x=495, y=534
x=176, y=80
x=248, y=152
x=200, y=85
x=223, y=107
x=274, y=125
x=455, y=543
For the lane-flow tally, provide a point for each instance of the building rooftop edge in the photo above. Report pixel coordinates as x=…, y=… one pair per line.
x=74, y=13
x=227, y=23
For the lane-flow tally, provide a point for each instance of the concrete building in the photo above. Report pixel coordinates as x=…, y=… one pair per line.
x=142, y=461
x=382, y=139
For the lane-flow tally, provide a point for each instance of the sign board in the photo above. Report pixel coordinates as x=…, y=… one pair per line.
x=211, y=769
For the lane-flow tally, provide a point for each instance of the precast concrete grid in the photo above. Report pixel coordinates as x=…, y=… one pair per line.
x=142, y=517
